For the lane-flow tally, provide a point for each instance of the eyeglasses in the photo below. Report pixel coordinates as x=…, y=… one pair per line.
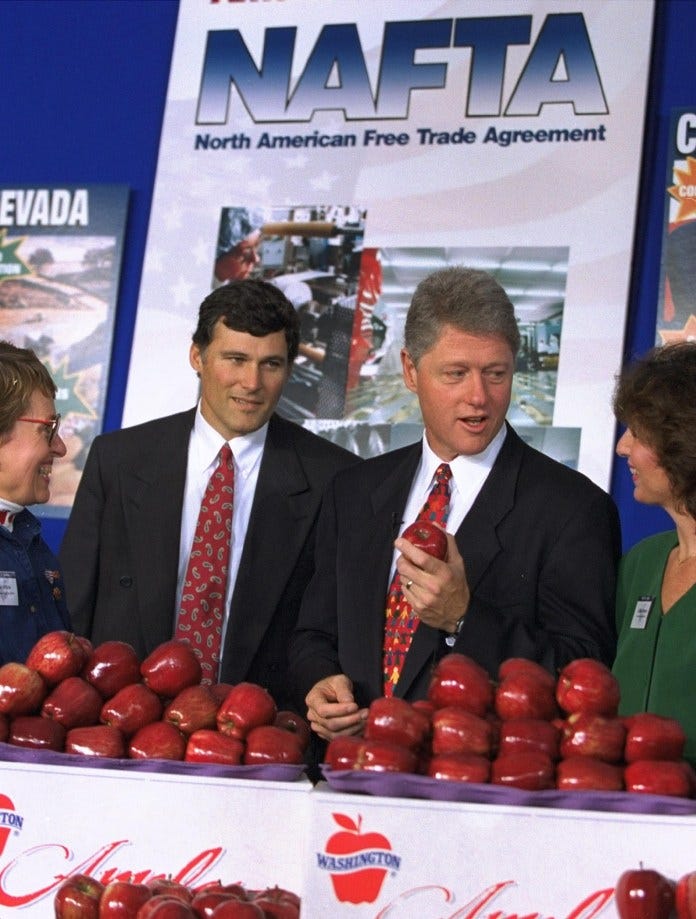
x=50, y=424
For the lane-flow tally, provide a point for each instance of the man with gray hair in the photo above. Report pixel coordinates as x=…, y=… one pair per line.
x=532, y=546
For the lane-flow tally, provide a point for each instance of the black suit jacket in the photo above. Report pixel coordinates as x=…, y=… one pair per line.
x=540, y=544
x=120, y=552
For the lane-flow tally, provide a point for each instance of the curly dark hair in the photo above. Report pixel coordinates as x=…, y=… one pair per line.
x=655, y=396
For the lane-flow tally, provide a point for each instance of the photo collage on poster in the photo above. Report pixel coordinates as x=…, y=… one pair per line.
x=60, y=259
x=346, y=383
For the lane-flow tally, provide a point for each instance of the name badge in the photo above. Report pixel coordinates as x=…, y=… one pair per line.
x=641, y=612
x=8, y=589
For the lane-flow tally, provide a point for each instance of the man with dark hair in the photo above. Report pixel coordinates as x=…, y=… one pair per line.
x=532, y=546
x=128, y=543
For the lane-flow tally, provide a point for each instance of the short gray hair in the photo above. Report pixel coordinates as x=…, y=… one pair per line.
x=466, y=298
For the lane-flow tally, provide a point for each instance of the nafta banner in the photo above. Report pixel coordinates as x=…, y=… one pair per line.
x=345, y=150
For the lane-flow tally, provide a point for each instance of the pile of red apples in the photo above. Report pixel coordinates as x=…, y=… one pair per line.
x=103, y=701
x=526, y=730
x=81, y=896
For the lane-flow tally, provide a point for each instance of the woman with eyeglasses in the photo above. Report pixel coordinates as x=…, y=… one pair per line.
x=32, y=598
x=655, y=399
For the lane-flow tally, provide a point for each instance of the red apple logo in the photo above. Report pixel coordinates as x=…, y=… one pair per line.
x=357, y=862
x=9, y=820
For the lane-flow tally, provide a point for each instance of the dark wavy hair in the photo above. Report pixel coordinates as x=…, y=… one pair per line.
x=21, y=374
x=251, y=306
x=655, y=396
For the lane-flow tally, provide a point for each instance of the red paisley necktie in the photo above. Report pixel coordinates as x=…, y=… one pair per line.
x=401, y=621
x=203, y=597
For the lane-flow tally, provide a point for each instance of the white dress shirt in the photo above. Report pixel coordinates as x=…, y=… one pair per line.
x=204, y=446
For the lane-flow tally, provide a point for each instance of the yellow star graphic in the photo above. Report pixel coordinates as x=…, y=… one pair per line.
x=688, y=333
x=684, y=192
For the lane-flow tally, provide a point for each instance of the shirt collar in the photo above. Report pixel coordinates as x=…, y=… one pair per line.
x=247, y=449
x=463, y=467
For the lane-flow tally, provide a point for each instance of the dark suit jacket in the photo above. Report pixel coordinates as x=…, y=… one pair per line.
x=120, y=552
x=540, y=544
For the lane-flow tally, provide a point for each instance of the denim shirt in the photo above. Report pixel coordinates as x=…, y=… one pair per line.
x=32, y=594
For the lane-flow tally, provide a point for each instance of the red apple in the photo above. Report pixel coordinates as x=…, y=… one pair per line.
x=460, y=767
x=523, y=735
x=123, y=899
x=56, y=655
x=247, y=706
x=111, y=666
x=238, y=909
x=78, y=898
x=296, y=724
x=342, y=752
x=427, y=536
x=157, y=740
x=171, y=667
x=651, y=736
x=382, y=756
x=459, y=680
x=525, y=695
x=96, y=740
x=278, y=903
x=642, y=893
x=585, y=773
x=685, y=896
x=37, y=733
x=208, y=746
x=530, y=771
x=511, y=666
x=221, y=691
x=588, y=685
x=455, y=730
x=658, y=777
x=22, y=689
x=165, y=906
x=193, y=709
x=270, y=744
x=397, y=721
x=205, y=902
x=162, y=884
x=131, y=708
x=74, y=703
x=593, y=735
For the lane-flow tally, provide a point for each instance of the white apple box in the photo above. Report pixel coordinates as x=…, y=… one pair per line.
x=57, y=821
x=401, y=858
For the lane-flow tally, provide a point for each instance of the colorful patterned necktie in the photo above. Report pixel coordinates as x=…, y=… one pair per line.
x=203, y=597
x=401, y=621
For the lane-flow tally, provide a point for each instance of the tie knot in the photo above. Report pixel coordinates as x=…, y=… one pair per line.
x=225, y=454
x=443, y=474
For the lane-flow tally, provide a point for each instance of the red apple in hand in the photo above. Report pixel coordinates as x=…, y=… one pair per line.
x=123, y=899
x=22, y=690
x=78, y=898
x=642, y=893
x=685, y=896
x=131, y=708
x=459, y=680
x=427, y=536
x=585, y=773
x=111, y=666
x=208, y=746
x=193, y=709
x=397, y=721
x=247, y=706
x=37, y=733
x=57, y=655
x=171, y=667
x=593, y=735
x=651, y=736
x=157, y=740
x=588, y=685
x=73, y=703
x=267, y=744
